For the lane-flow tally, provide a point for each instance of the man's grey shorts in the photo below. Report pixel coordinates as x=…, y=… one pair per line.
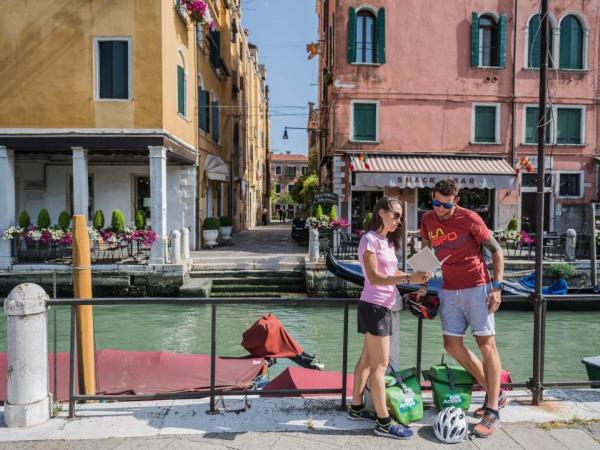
x=466, y=307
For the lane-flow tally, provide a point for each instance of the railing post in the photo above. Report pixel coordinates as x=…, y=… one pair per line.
x=345, y=355
x=72, y=350
x=27, y=397
x=213, y=352
x=419, y=346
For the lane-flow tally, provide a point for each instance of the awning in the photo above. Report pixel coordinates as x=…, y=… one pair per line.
x=216, y=169
x=410, y=171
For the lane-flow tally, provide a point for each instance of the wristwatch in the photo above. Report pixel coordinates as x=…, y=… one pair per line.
x=497, y=285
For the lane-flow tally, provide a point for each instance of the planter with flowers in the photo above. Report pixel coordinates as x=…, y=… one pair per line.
x=225, y=228
x=198, y=12
x=210, y=231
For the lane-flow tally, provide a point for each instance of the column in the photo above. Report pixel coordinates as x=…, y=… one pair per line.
x=7, y=202
x=158, y=196
x=80, y=181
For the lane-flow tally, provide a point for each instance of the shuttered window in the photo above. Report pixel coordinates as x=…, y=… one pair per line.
x=571, y=43
x=113, y=69
x=216, y=126
x=365, y=122
x=488, y=40
x=531, y=125
x=569, y=185
x=485, y=124
x=366, y=36
x=568, y=126
x=181, y=91
x=533, y=47
x=204, y=110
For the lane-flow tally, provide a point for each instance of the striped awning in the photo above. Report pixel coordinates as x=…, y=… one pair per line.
x=410, y=171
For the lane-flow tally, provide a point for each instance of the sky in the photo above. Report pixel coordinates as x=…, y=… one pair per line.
x=281, y=29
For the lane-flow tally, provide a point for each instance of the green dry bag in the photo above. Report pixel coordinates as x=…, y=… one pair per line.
x=451, y=386
x=403, y=396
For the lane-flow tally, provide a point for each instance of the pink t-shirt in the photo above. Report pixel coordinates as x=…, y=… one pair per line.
x=387, y=264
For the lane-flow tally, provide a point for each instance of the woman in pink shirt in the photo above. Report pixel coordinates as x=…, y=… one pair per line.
x=377, y=257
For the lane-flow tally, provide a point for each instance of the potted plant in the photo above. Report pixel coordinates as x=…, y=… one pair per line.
x=210, y=231
x=225, y=227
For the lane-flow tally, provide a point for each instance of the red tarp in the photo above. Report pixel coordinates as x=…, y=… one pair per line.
x=299, y=378
x=268, y=338
x=121, y=371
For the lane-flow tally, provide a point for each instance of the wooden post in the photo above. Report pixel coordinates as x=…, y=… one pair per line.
x=82, y=284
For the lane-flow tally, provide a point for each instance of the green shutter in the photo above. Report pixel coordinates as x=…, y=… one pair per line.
x=485, y=124
x=106, y=61
x=351, y=35
x=571, y=44
x=203, y=109
x=216, y=127
x=365, y=122
x=381, y=36
x=568, y=126
x=533, y=49
x=114, y=69
x=180, y=90
x=502, y=41
x=531, y=119
x=474, y=39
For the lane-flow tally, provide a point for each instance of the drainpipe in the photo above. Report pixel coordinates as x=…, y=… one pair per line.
x=513, y=147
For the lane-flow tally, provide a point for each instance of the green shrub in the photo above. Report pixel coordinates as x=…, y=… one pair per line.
x=98, y=221
x=43, y=220
x=64, y=220
x=225, y=221
x=560, y=270
x=140, y=220
x=319, y=212
x=513, y=224
x=333, y=213
x=24, y=219
x=367, y=221
x=117, y=222
x=210, y=223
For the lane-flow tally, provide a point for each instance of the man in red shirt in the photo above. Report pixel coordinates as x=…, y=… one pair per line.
x=468, y=296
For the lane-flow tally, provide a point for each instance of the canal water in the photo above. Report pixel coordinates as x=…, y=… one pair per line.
x=186, y=329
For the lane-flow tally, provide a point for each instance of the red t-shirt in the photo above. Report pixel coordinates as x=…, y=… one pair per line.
x=459, y=237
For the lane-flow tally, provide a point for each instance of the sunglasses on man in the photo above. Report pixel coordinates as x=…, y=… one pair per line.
x=437, y=204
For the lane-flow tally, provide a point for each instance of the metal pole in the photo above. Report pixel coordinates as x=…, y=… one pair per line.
x=419, y=347
x=345, y=356
x=404, y=236
x=72, y=363
x=593, y=255
x=213, y=352
x=538, y=325
x=55, y=346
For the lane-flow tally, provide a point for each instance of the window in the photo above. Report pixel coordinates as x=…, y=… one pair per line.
x=531, y=125
x=571, y=43
x=570, y=184
x=534, y=43
x=278, y=170
x=365, y=121
x=290, y=187
x=366, y=36
x=216, y=127
x=181, y=90
x=277, y=188
x=304, y=170
x=530, y=180
x=141, y=189
x=568, y=126
x=204, y=110
x=290, y=171
x=215, y=49
x=113, y=73
x=486, y=124
x=488, y=40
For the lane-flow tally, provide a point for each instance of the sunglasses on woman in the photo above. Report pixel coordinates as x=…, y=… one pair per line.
x=437, y=204
x=396, y=214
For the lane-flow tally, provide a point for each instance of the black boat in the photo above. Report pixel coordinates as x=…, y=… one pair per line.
x=514, y=296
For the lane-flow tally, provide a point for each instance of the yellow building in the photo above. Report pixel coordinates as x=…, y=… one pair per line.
x=118, y=104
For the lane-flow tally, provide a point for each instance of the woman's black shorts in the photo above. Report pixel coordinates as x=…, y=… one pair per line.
x=374, y=319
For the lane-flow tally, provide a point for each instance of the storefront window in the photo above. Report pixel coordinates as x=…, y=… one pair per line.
x=479, y=200
x=363, y=203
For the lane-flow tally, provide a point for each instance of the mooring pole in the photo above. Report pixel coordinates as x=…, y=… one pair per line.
x=82, y=285
x=539, y=309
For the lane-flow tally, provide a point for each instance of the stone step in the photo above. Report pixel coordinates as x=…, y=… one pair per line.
x=296, y=288
x=274, y=295
x=272, y=262
x=265, y=280
x=236, y=274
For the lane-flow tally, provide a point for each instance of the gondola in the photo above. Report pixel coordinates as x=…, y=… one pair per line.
x=515, y=295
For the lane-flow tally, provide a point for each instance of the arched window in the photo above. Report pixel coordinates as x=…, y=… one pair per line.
x=534, y=43
x=366, y=37
x=488, y=41
x=181, y=85
x=571, y=43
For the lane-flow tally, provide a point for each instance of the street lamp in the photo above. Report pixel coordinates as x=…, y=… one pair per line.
x=285, y=133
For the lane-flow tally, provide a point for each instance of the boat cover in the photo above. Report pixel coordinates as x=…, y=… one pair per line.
x=129, y=372
x=268, y=338
x=300, y=378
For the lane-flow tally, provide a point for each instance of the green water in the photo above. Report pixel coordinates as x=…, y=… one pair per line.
x=186, y=329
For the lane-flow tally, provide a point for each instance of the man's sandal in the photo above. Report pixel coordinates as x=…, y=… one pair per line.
x=502, y=402
x=490, y=422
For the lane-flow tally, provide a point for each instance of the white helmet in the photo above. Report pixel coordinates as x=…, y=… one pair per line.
x=450, y=425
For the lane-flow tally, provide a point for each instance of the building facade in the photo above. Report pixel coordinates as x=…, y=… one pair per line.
x=411, y=92
x=137, y=111
x=285, y=171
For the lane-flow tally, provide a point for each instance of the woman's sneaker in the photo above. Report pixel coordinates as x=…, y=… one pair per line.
x=361, y=414
x=392, y=430
x=502, y=402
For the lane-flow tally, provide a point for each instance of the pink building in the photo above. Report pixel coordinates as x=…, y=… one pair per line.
x=418, y=90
